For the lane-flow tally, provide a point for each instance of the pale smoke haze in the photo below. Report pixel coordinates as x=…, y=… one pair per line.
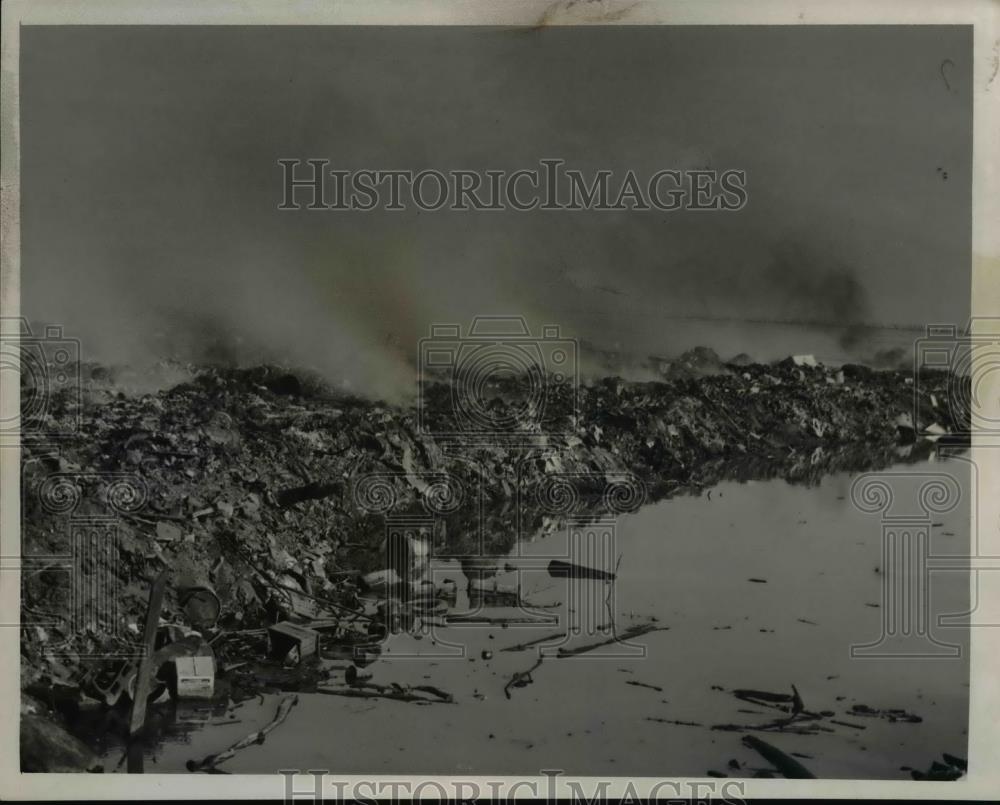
x=149, y=166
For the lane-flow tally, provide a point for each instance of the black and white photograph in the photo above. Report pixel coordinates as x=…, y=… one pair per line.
x=553, y=400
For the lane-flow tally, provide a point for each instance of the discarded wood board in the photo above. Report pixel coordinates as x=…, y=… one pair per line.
x=789, y=767
x=568, y=570
x=137, y=718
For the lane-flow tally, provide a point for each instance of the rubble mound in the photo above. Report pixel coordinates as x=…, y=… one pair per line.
x=276, y=491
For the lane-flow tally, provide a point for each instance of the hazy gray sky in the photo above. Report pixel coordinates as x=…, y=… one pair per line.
x=150, y=182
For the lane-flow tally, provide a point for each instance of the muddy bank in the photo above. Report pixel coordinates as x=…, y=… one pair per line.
x=262, y=485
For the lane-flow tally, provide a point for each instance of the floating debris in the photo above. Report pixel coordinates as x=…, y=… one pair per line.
x=643, y=685
x=422, y=694
x=250, y=740
x=567, y=570
x=789, y=767
x=631, y=632
x=891, y=715
x=252, y=484
x=521, y=678
x=529, y=644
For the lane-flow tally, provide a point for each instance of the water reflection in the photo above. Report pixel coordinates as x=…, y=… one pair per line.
x=759, y=586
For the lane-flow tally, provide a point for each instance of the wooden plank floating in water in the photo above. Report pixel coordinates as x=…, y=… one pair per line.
x=500, y=620
x=530, y=643
x=371, y=690
x=848, y=724
x=635, y=631
x=567, y=570
x=643, y=685
x=759, y=696
x=788, y=766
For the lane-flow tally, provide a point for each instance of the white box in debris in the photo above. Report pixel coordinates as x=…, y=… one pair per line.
x=195, y=677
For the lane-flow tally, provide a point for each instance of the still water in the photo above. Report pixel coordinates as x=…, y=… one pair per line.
x=687, y=562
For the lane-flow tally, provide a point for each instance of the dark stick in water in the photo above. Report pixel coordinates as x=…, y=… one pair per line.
x=788, y=766
x=253, y=738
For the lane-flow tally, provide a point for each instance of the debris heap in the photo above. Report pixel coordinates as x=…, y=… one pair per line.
x=249, y=481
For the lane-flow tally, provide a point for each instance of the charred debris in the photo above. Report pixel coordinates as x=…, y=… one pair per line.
x=242, y=486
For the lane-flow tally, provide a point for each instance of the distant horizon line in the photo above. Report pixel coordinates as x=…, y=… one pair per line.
x=916, y=328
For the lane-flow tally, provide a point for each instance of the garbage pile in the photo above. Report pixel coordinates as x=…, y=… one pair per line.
x=248, y=486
